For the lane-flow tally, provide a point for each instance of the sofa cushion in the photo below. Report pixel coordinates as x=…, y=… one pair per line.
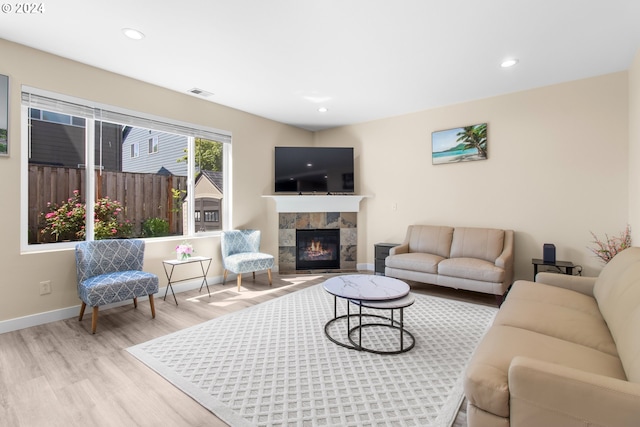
x=542, y=308
x=553, y=295
x=481, y=243
x=430, y=239
x=422, y=262
x=471, y=268
x=486, y=377
x=617, y=291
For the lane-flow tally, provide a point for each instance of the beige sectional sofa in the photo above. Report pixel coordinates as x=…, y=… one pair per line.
x=475, y=259
x=562, y=351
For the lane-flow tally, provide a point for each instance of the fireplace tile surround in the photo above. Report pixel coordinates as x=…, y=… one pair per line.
x=289, y=222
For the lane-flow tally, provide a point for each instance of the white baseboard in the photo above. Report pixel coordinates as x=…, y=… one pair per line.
x=365, y=267
x=69, y=312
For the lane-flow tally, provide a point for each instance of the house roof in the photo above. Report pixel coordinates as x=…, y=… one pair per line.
x=215, y=177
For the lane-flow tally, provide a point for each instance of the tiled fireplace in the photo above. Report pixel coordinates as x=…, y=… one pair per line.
x=347, y=240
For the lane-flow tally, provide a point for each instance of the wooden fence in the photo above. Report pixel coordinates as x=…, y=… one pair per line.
x=143, y=195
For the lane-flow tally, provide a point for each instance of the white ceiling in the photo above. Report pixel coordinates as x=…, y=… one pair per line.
x=361, y=59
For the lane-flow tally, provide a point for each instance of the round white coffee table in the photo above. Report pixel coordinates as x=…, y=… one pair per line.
x=374, y=292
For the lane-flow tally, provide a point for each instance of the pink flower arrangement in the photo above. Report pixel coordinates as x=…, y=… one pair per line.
x=184, y=251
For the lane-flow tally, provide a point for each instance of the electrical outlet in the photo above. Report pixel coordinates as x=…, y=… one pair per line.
x=45, y=287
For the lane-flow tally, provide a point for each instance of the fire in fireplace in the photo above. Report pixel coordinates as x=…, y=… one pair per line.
x=317, y=249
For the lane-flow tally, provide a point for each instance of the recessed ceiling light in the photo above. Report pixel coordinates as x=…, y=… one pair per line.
x=509, y=63
x=133, y=34
x=323, y=109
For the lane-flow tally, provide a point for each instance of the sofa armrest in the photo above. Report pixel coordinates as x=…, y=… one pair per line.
x=505, y=259
x=400, y=249
x=580, y=284
x=546, y=394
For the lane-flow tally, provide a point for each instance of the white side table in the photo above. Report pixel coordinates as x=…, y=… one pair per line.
x=170, y=264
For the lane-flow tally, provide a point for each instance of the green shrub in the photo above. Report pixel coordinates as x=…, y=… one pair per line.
x=155, y=227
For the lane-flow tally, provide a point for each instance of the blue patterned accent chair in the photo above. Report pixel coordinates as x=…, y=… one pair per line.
x=111, y=271
x=241, y=254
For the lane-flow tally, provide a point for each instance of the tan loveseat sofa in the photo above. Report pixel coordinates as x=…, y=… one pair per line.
x=475, y=259
x=563, y=351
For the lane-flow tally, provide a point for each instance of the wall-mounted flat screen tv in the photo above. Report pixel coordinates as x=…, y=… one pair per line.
x=314, y=170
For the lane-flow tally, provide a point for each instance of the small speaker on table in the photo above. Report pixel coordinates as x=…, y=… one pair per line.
x=549, y=253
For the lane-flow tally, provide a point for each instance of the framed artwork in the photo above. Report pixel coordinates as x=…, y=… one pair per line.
x=463, y=144
x=4, y=115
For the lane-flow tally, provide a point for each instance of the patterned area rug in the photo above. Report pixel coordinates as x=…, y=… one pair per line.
x=272, y=365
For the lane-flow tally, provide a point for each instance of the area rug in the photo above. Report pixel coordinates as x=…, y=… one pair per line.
x=272, y=365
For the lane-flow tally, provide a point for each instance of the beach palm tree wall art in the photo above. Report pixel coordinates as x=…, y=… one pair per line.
x=461, y=144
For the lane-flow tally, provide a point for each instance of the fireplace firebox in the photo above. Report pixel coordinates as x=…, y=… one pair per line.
x=317, y=249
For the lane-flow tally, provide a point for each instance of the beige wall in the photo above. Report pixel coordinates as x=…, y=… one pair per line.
x=634, y=149
x=557, y=168
x=253, y=142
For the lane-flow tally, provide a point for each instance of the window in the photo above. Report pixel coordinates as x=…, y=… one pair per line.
x=77, y=151
x=49, y=116
x=211, y=216
x=153, y=145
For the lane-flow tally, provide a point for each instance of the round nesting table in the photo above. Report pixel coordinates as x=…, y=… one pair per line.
x=373, y=292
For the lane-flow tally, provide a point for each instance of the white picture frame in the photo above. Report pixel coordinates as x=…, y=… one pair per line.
x=4, y=115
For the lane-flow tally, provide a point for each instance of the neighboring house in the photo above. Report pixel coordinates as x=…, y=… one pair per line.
x=157, y=152
x=150, y=151
x=208, y=201
x=59, y=139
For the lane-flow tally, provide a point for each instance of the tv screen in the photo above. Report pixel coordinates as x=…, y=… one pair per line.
x=314, y=170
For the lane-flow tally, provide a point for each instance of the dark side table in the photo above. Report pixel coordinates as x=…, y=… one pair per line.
x=564, y=266
x=381, y=252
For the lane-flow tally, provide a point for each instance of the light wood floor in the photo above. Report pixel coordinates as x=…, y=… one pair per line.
x=59, y=374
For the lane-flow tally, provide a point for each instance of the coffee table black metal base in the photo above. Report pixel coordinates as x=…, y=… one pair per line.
x=372, y=292
x=389, y=322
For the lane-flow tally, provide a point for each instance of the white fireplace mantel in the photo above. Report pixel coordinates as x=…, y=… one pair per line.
x=317, y=203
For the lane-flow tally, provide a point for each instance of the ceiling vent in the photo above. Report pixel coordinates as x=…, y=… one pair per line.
x=200, y=92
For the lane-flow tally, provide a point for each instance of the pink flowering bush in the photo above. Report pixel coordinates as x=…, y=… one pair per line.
x=67, y=220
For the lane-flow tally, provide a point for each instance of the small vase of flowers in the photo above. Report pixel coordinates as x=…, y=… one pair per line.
x=184, y=251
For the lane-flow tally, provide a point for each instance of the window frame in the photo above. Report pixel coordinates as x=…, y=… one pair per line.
x=129, y=118
x=154, y=145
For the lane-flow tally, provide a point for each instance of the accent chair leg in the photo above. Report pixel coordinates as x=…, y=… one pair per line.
x=239, y=280
x=224, y=277
x=94, y=320
x=269, y=273
x=135, y=302
x=153, y=307
x=82, y=307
